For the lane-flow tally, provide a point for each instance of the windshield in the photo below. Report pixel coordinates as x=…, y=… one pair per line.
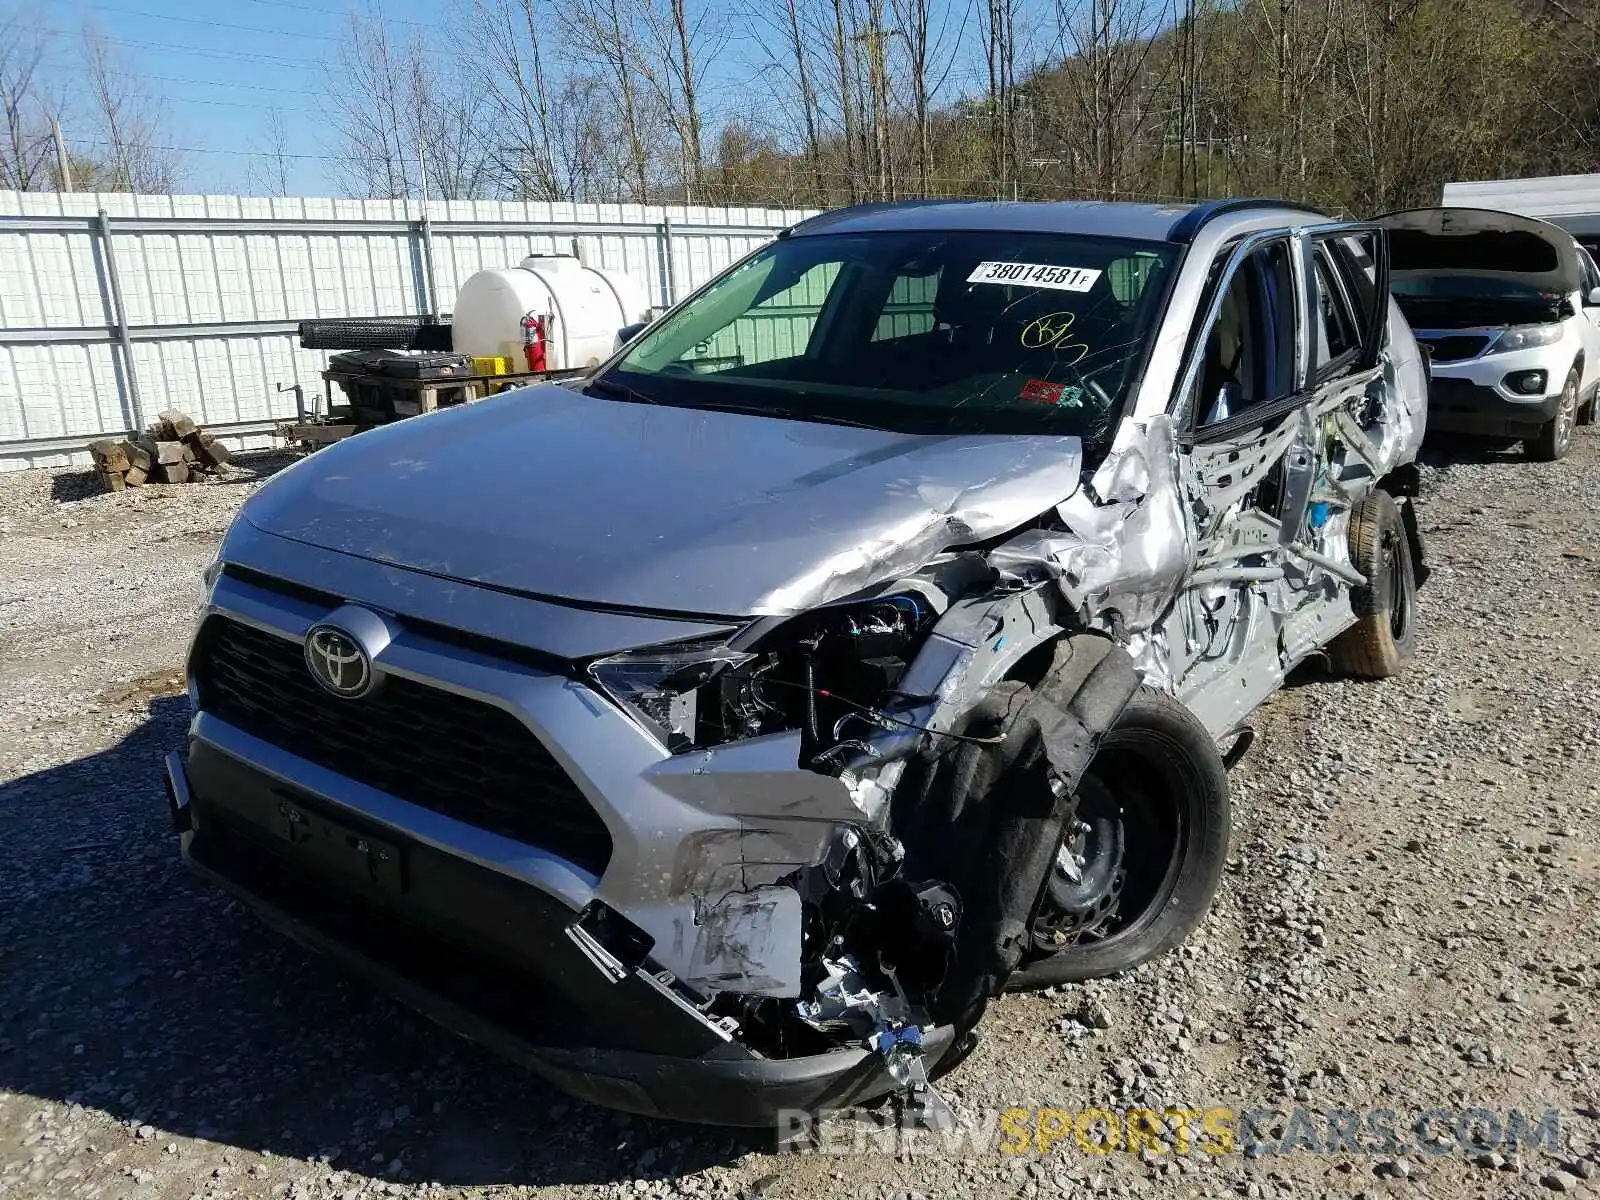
x=975, y=331
x=1462, y=287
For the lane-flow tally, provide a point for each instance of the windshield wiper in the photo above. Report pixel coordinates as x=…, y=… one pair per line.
x=617, y=391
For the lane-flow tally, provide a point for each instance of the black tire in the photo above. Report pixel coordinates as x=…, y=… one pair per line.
x=1159, y=772
x=1589, y=414
x=1554, y=438
x=1384, y=636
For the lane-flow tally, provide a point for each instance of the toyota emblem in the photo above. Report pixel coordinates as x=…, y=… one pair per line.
x=338, y=662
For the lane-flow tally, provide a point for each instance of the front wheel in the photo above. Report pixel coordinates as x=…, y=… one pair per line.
x=1142, y=857
x=1554, y=438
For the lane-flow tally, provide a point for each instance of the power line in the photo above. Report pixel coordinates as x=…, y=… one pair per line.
x=312, y=8
x=230, y=84
x=208, y=150
x=246, y=55
x=221, y=83
x=134, y=12
x=231, y=55
x=256, y=107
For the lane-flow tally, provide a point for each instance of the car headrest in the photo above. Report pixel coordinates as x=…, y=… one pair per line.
x=960, y=303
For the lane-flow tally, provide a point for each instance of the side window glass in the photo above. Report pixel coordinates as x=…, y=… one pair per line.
x=1249, y=353
x=1353, y=256
x=909, y=308
x=1128, y=277
x=1336, y=332
x=1591, y=275
x=779, y=327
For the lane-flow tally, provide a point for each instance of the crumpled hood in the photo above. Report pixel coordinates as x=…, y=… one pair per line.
x=551, y=492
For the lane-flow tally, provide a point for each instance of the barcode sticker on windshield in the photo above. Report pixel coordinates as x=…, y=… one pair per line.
x=1041, y=275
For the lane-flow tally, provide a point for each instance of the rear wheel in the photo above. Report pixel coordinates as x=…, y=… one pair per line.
x=1384, y=635
x=1554, y=438
x=1141, y=859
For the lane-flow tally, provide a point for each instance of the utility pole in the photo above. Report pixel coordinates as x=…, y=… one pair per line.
x=63, y=164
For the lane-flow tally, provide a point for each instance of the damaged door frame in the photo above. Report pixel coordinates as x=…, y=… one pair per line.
x=1290, y=425
x=1301, y=239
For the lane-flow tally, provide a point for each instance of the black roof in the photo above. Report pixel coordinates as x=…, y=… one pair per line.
x=1143, y=222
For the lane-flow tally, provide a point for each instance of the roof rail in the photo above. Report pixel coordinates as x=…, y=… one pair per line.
x=833, y=215
x=1196, y=219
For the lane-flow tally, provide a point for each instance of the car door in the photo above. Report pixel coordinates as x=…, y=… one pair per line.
x=1589, y=325
x=1279, y=404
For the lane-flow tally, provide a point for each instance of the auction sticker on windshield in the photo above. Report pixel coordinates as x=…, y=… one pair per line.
x=1062, y=279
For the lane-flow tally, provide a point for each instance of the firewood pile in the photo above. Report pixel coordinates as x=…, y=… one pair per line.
x=173, y=450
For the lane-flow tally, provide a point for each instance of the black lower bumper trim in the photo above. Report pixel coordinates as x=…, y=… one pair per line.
x=624, y=1045
x=1460, y=406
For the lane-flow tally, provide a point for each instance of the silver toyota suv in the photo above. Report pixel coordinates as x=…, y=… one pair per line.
x=872, y=633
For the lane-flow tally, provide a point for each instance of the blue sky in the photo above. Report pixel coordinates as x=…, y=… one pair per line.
x=223, y=66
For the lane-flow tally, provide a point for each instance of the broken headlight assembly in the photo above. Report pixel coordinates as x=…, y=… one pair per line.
x=812, y=673
x=659, y=687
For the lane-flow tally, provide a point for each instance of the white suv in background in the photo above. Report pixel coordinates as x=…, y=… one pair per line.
x=1509, y=307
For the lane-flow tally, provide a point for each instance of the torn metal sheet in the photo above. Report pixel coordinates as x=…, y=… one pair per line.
x=1128, y=553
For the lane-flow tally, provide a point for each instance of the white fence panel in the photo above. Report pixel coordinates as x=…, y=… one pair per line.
x=114, y=307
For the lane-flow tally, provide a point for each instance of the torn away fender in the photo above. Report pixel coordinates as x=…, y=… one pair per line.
x=987, y=812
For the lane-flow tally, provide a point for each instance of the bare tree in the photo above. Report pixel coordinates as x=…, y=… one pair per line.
x=998, y=26
x=599, y=38
x=375, y=151
x=914, y=18
x=843, y=20
x=808, y=95
x=1105, y=102
x=268, y=173
x=446, y=122
x=873, y=41
x=672, y=60
x=126, y=119
x=507, y=36
x=27, y=155
x=403, y=122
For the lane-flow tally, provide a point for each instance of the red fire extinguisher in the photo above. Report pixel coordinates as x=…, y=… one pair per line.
x=533, y=341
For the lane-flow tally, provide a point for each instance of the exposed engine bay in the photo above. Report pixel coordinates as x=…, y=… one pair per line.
x=1482, y=312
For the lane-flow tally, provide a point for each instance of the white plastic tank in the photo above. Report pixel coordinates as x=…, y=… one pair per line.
x=581, y=307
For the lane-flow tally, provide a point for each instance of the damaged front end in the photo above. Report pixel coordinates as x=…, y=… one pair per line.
x=882, y=956
x=936, y=730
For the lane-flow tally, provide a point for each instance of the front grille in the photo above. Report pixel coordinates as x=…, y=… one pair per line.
x=1456, y=347
x=458, y=757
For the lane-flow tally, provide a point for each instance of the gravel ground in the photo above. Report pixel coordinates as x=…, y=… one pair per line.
x=1409, y=921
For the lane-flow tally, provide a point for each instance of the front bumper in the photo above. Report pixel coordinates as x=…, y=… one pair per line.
x=1461, y=406
x=1472, y=395
x=489, y=958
